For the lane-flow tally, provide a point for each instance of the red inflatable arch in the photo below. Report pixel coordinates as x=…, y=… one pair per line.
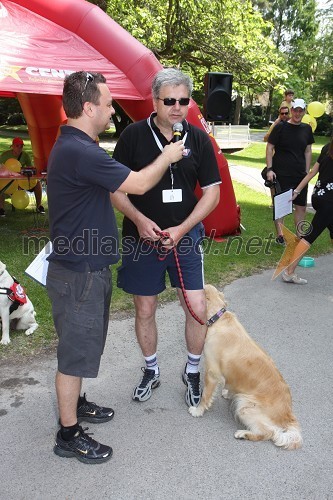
x=42, y=41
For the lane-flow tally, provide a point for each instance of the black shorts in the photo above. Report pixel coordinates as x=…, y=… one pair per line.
x=80, y=308
x=292, y=183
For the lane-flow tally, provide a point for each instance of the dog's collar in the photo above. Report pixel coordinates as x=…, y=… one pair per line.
x=216, y=316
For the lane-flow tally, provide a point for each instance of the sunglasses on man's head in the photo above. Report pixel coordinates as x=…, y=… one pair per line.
x=171, y=101
x=89, y=79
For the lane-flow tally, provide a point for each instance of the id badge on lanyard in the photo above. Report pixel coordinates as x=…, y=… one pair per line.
x=168, y=195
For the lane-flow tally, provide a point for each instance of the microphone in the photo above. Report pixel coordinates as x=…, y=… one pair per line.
x=177, y=132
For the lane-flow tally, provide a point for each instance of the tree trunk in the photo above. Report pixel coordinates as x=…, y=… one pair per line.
x=269, y=106
x=238, y=108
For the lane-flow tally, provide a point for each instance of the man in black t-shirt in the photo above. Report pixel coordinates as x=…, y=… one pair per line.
x=172, y=207
x=288, y=159
x=84, y=235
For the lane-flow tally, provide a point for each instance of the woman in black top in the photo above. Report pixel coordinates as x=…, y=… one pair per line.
x=322, y=202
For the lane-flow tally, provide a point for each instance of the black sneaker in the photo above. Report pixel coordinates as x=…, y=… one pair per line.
x=41, y=210
x=280, y=240
x=150, y=380
x=2, y=212
x=193, y=392
x=82, y=447
x=91, y=412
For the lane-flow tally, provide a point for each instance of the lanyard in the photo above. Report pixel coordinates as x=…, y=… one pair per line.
x=159, y=145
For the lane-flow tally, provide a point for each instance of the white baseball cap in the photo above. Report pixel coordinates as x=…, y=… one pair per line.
x=298, y=103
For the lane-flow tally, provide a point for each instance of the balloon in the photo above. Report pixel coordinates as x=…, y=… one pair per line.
x=20, y=200
x=27, y=183
x=310, y=120
x=306, y=118
x=13, y=165
x=316, y=109
x=10, y=190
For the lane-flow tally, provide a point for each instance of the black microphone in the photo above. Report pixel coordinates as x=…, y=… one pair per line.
x=177, y=132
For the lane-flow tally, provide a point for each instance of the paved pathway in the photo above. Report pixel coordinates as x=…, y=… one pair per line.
x=160, y=451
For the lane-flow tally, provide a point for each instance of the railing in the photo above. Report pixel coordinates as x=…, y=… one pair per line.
x=232, y=136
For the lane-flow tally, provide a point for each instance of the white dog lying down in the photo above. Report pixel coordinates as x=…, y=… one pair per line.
x=261, y=399
x=24, y=314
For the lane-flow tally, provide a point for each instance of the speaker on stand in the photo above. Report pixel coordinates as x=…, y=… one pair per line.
x=217, y=99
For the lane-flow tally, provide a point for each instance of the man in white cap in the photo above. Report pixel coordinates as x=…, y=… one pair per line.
x=288, y=159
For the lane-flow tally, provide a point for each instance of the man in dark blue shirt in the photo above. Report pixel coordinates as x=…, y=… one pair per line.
x=84, y=236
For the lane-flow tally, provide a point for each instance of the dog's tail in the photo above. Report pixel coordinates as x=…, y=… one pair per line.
x=289, y=438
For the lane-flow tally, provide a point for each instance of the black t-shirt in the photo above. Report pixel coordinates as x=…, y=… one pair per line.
x=82, y=222
x=324, y=185
x=290, y=142
x=137, y=148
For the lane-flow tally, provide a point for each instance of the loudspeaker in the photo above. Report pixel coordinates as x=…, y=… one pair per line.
x=217, y=101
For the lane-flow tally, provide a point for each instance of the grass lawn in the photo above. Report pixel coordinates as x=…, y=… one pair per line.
x=235, y=257
x=239, y=256
x=255, y=154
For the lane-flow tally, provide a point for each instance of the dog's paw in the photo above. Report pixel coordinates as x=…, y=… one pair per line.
x=196, y=411
x=241, y=434
x=5, y=341
x=30, y=330
x=225, y=394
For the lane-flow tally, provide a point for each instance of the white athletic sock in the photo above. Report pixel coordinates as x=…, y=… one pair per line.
x=193, y=361
x=151, y=362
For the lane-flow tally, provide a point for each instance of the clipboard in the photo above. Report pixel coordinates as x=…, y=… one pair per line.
x=282, y=204
x=37, y=269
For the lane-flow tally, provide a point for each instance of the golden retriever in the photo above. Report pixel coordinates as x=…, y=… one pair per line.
x=261, y=399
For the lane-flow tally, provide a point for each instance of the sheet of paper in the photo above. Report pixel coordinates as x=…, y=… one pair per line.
x=283, y=204
x=37, y=270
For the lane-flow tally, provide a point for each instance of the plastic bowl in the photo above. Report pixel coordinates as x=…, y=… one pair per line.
x=307, y=262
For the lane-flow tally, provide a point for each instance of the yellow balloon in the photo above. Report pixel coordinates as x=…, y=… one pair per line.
x=313, y=123
x=20, y=200
x=316, y=109
x=13, y=165
x=310, y=120
x=12, y=188
x=306, y=118
x=3, y=183
x=27, y=184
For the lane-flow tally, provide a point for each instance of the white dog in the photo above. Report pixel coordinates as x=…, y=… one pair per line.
x=24, y=314
x=260, y=397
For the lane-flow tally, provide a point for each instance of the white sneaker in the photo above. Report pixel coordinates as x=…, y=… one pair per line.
x=293, y=278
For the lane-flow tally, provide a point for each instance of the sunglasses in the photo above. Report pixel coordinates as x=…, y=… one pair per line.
x=171, y=101
x=89, y=79
x=284, y=113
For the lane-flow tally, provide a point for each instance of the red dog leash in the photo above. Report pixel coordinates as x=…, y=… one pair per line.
x=164, y=252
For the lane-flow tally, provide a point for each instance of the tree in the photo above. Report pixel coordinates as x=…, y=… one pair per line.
x=295, y=27
x=201, y=36
x=323, y=85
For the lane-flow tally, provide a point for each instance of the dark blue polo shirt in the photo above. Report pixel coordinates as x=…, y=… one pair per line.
x=83, y=227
